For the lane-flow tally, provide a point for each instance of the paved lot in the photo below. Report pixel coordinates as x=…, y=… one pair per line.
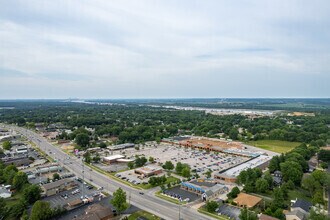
x=199, y=160
x=112, y=167
x=58, y=200
x=230, y=211
x=182, y=193
x=134, y=178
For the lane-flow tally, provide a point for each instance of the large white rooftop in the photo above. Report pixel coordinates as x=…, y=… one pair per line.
x=235, y=171
x=114, y=157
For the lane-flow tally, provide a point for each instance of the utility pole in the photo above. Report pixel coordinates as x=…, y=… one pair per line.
x=179, y=212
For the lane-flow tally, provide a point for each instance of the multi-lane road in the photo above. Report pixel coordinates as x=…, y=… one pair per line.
x=148, y=201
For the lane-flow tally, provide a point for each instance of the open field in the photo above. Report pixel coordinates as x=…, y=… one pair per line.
x=274, y=145
x=144, y=214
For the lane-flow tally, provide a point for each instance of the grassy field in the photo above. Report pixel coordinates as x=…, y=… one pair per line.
x=300, y=194
x=274, y=145
x=144, y=214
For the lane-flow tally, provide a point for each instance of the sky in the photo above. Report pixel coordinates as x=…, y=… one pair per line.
x=164, y=49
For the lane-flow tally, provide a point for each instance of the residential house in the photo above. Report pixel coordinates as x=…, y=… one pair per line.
x=277, y=178
x=97, y=212
x=299, y=210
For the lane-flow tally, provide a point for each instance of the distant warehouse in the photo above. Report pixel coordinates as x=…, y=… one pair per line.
x=121, y=146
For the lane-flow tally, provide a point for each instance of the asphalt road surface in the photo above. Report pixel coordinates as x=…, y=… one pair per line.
x=148, y=201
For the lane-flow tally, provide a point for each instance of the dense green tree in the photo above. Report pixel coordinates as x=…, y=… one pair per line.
x=292, y=170
x=96, y=158
x=151, y=159
x=183, y=169
x=321, y=177
x=179, y=167
x=87, y=157
x=17, y=209
x=157, y=181
x=318, y=197
x=309, y=183
x=102, y=145
x=208, y=173
x=19, y=180
x=8, y=173
x=168, y=165
x=296, y=157
x=31, y=193
x=56, y=176
x=119, y=200
x=3, y=208
x=324, y=155
x=41, y=211
x=278, y=200
x=233, y=134
x=247, y=215
x=140, y=161
x=278, y=214
x=63, y=136
x=186, y=172
x=249, y=187
x=269, y=179
x=211, y=206
x=130, y=165
x=233, y=193
x=324, y=165
x=262, y=185
x=82, y=140
x=289, y=185
x=6, y=145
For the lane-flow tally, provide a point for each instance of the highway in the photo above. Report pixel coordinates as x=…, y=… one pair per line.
x=148, y=201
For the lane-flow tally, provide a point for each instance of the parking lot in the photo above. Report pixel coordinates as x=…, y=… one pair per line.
x=65, y=197
x=200, y=160
x=134, y=178
x=177, y=192
x=231, y=211
x=112, y=167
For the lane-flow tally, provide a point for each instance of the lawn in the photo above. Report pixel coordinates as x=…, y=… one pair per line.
x=14, y=199
x=144, y=214
x=274, y=145
x=299, y=194
x=170, y=179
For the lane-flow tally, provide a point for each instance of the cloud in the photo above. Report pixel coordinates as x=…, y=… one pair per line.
x=163, y=48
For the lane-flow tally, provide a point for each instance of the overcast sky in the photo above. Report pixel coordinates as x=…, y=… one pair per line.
x=164, y=49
